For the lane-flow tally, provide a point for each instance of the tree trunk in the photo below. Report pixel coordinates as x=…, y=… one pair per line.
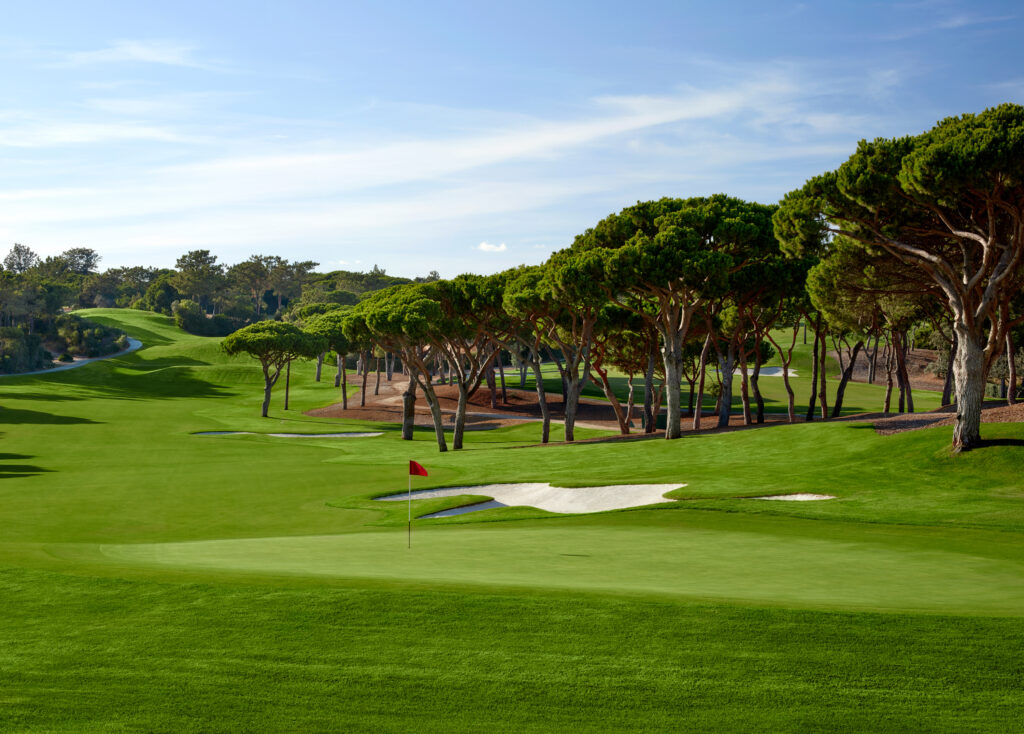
x=629, y=401
x=389, y=365
x=522, y=376
x=1011, y=366
x=344, y=382
x=703, y=370
x=363, y=359
x=889, y=360
x=268, y=384
x=847, y=374
x=613, y=400
x=572, y=400
x=501, y=378
x=758, y=398
x=745, y=391
x=822, y=374
x=287, y=382
x=341, y=362
x=409, y=410
x=872, y=366
x=460, y=415
x=947, y=384
x=649, y=420
x=726, y=367
x=376, y=385
x=319, y=365
x=672, y=350
x=902, y=347
x=811, y=404
x=691, y=395
x=969, y=375
x=435, y=413
x=542, y=401
x=492, y=385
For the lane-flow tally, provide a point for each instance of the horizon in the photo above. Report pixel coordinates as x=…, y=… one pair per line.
x=455, y=138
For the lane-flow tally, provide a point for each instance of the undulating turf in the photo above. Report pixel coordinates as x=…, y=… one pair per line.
x=157, y=580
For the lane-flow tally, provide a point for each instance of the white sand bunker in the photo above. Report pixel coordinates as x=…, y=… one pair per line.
x=288, y=435
x=543, y=496
x=799, y=497
x=777, y=372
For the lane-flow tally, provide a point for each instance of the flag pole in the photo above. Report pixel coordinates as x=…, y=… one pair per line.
x=410, y=510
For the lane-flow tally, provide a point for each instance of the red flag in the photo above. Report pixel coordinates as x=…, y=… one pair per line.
x=416, y=470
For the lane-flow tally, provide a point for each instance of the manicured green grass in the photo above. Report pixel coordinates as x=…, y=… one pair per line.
x=156, y=580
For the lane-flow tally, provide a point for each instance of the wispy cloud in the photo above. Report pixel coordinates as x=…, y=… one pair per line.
x=162, y=52
x=949, y=23
x=488, y=247
x=48, y=134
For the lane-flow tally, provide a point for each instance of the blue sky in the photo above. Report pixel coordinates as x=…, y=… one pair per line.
x=450, y=136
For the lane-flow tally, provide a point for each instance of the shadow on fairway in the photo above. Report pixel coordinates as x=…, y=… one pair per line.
x=37, y=397
x=15, y=416
x=13, y=471
x=994, y=442
x=155, y=379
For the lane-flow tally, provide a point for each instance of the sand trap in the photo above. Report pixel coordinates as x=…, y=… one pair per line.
x=288, y=435
x=799, y=497
x=776, y=372
x=543, y=496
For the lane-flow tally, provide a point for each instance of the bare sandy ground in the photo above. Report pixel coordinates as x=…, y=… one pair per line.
x=521, y=405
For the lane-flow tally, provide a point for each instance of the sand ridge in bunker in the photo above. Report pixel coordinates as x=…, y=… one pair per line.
x=544, y=496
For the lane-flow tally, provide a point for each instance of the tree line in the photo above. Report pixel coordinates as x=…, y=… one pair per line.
x=204, y=297
x=916, y=234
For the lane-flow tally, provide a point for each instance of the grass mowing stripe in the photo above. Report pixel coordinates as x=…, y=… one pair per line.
x=91, y=655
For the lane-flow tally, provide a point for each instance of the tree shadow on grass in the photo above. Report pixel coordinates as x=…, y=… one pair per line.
x=166, y=378
x=47, y=397
x=13, y=471
x=994, y=442
x=14, y=416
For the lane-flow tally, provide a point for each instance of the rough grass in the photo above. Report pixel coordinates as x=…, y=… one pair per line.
x=155, y=580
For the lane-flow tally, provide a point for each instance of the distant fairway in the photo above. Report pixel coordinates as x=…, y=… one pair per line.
x=156, y=580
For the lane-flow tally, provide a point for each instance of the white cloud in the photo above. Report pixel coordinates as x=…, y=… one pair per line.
x=167, y=53
x=46, y=134
x=488, y=247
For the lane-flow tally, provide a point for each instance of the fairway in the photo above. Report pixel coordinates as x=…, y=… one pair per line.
x=164, y=580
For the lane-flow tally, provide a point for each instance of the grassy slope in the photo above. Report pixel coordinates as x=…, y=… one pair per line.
x=896, y=606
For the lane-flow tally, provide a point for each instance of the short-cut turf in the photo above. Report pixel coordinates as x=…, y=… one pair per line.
x=162, y=581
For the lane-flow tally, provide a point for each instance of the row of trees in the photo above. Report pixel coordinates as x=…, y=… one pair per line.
x=918, y=230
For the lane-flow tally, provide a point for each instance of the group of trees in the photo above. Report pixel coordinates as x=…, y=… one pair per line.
x=921, y=232
x=204, y=296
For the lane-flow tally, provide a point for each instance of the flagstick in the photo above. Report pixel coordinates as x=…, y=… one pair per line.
x=410, y=510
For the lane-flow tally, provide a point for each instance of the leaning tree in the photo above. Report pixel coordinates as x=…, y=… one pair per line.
x=274, y=344
x=949, y=201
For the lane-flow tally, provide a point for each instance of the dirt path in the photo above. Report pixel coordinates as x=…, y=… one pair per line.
x=522, y=405
x=133, y=344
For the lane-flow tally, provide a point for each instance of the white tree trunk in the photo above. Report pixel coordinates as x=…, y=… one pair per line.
x=672, y=350
x=969, y=379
